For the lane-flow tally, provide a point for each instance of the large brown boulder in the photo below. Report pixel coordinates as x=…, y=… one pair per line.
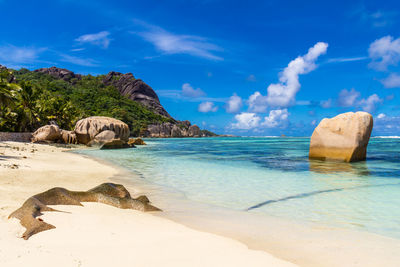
x=47, y=133
x=344, y=137
x=194, y=131
x=87, y=129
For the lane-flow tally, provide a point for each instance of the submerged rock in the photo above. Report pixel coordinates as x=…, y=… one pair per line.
x=115, y=144
x=108, y=193
x=344, y=137
x=136, y=141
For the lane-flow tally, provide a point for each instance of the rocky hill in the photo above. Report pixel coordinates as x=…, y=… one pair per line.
x=63, y=96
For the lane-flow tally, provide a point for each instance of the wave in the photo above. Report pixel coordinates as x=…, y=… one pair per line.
x=389, y=136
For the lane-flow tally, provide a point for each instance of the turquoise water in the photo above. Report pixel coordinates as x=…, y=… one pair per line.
x=275, y=177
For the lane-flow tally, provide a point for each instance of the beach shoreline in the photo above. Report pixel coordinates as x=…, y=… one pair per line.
x=306, y=244
x=255, y=234
x=97, y=234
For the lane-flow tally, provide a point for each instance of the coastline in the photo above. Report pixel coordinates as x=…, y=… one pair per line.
x=97, y=234
x=306, y=244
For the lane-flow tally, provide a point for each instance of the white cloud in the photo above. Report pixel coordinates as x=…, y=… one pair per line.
x=246, y=121
x=369, y=104
x=87, y=62
x=384, y=52
x=257, y=103
x=234, y=104
x=171, y=43
x=393, y=81
x=10, y=54
x=207, y=107
x=251, y=78
x=283, y=93
x=77, y=49
x=345, y=59
x=100, y=39
x=189, y=91
x=275, y=118
x=381, y=116
x=326, y=103
x=351, y=99
x=348, y=98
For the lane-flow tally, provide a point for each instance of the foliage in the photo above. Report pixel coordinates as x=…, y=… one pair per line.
x=207, y=133
x=36, y=98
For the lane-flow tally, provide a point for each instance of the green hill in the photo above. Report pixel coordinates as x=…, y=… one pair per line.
x=30, y=99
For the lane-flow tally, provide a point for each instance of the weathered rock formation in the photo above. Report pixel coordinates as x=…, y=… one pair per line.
x=87, y=129
x=50, y=133
x=104, y=132
x=68, y=137
x=180, y=129
x=59, y=73
x=136, y=141
x=136, y=90
x=108, y=193
x=344, y=137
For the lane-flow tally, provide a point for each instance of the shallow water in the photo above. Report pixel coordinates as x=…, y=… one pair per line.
x=275, y=177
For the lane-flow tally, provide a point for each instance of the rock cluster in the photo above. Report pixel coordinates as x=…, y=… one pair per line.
x=167, y=129
x=99, y=131
x=107, y=193
x=344, y=137
x=136, y=90
x=59, y=73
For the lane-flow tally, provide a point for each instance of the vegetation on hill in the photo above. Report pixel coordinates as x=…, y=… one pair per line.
x=30, y=99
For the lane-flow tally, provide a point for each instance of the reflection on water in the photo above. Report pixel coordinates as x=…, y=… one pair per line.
x=355, y=168
x=275, y=177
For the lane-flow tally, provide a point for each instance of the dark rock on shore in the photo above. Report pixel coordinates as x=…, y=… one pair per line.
x=180, y=129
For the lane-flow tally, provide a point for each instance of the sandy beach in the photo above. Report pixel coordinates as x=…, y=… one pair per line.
x=97, y=234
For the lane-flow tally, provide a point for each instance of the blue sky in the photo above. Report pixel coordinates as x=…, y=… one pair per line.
x=239, y=67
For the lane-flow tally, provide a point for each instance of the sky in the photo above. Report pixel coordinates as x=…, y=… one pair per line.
x=250, y=68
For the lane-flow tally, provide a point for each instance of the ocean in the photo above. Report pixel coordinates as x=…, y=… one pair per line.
x=273, y=176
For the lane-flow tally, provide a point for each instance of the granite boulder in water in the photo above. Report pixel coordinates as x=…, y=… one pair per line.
x=344, y=137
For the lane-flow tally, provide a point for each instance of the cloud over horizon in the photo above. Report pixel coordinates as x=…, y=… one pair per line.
x=100, y=39
x=171, y=43
x=283, y=94
x=234, y=104
x=207, y=106
x=189, y=91
x=384, y=52
x=14, y=55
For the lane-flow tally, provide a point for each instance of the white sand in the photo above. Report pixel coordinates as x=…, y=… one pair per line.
x=97, y=234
